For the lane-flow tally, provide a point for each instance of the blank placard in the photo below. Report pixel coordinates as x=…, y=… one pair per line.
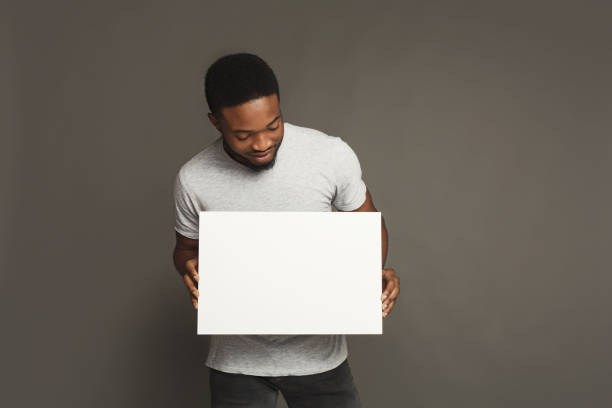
x=289, y=272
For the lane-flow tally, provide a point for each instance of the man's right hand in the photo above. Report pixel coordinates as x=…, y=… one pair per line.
x=186, y=263
x=191, y=279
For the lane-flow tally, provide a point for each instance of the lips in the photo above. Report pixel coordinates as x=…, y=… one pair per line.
x=264, y=154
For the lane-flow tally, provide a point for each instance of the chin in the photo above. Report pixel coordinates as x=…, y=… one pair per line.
x=263, y=166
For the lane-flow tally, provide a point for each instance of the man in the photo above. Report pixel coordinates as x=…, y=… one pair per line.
x=262, y=163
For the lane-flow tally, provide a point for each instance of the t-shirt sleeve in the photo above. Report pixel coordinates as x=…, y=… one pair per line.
x=187, y=216
x=350, y=188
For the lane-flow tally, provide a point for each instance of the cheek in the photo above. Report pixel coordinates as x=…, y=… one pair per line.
x=243, y=149
x=279, y=135
x=240, y=148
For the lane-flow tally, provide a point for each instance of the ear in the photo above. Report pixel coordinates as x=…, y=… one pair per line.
x=214, y=121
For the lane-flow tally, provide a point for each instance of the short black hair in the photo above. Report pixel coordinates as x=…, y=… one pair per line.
x=238, y=78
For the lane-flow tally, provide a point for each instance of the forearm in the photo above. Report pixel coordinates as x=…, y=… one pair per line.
x=181, y=256
x=384, y=240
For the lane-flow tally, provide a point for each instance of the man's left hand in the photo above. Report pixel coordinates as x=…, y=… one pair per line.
x=391, y=289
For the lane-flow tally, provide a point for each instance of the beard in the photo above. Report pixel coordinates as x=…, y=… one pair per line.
x=253, y=166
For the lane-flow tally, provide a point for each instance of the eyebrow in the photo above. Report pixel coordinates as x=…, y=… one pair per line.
x=249, y=131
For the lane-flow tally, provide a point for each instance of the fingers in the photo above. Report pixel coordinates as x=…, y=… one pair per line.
x=387, y=310
x=388, y=288
x=391, y=290
x=395, y=291
x=192, y=267
x=388, y=284
x=191, y=278
x=193, y=291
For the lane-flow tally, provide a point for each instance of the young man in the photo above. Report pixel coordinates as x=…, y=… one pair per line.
x=262, y=163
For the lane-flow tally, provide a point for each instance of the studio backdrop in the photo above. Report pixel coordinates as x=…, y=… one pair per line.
x=483, y=133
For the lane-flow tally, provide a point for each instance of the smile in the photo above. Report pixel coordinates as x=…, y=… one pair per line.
x=264, y=156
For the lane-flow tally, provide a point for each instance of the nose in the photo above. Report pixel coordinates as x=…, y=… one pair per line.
x=261, y=143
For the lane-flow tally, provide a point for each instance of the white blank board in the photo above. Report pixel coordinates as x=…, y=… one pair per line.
x=289, y=272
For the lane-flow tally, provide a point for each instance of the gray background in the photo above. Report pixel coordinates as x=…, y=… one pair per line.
x=483, y=132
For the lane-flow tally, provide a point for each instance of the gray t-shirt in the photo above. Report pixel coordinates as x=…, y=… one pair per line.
x=313, y=172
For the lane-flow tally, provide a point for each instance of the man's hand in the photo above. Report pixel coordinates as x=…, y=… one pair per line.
x=391, y=289
x=191, y=279
x=186, y=263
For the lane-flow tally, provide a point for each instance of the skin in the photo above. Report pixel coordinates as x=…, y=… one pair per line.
x=248, y=129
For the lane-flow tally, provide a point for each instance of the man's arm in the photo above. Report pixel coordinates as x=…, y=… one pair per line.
x=186, y=263
x=368, y=205
x=184, y=249
x=391, y=285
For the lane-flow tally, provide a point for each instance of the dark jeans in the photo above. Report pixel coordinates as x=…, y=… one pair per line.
x=333, y=388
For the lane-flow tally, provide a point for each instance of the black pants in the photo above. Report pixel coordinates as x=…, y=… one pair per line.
x=333, y=388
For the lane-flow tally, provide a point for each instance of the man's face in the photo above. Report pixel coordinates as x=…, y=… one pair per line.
x=252, y=129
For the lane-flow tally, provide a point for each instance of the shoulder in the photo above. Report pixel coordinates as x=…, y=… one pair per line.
x=314, y=139
x=197, y=165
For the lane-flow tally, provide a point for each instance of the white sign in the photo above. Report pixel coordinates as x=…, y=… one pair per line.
x=290, y=273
